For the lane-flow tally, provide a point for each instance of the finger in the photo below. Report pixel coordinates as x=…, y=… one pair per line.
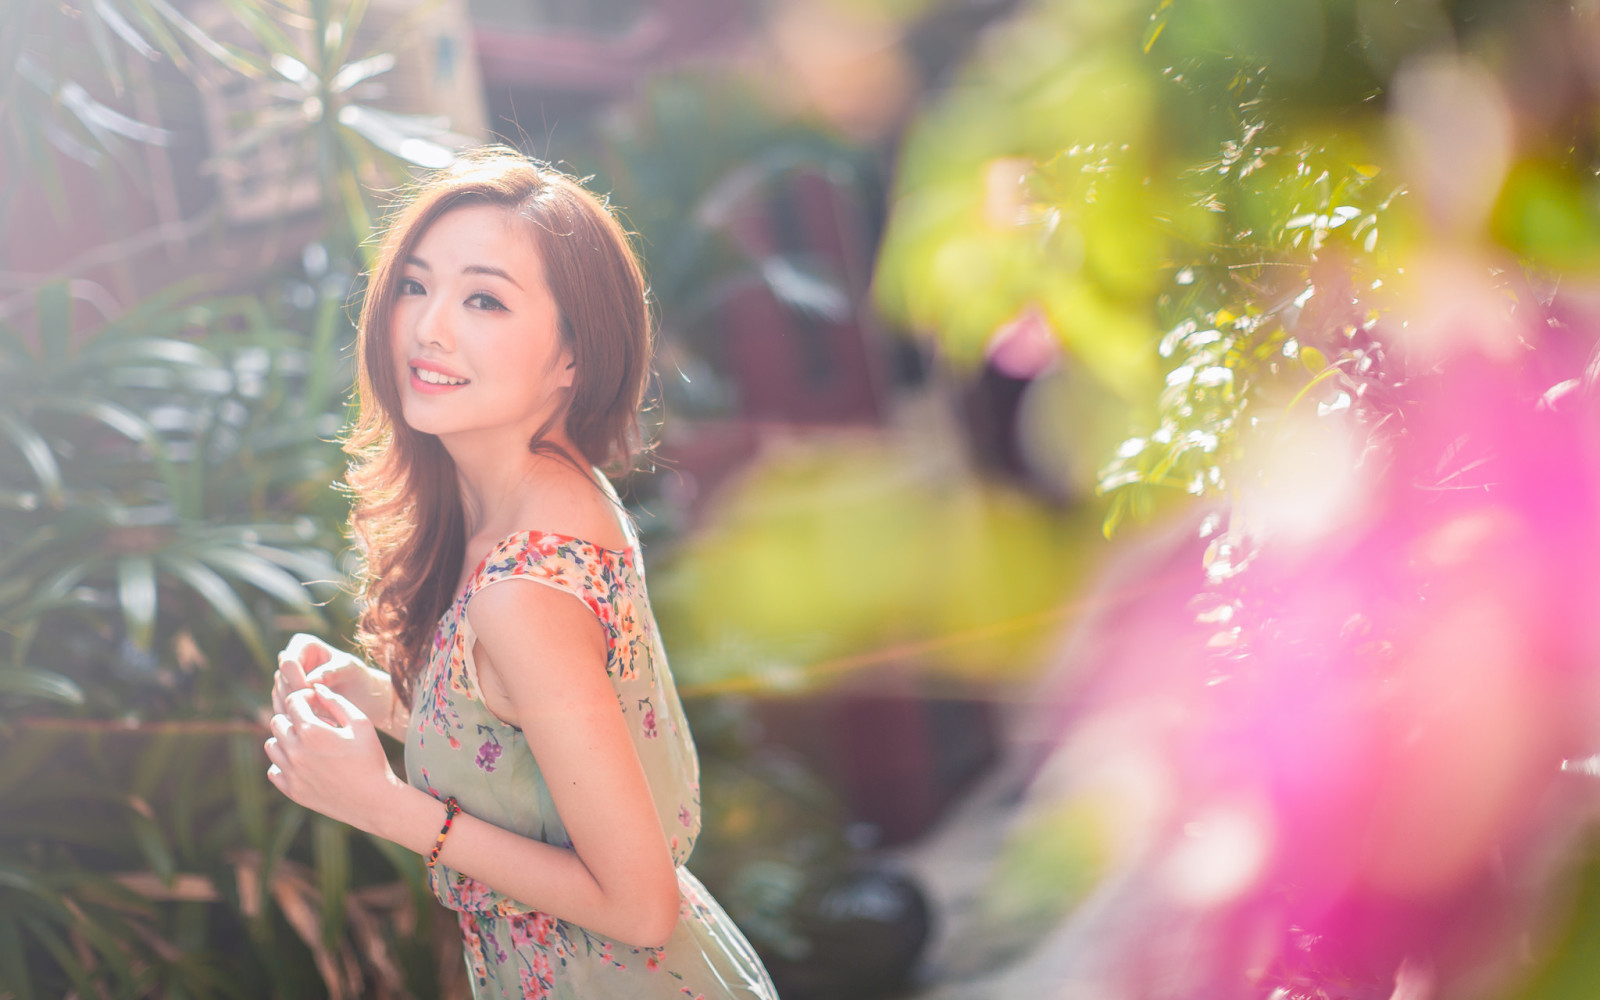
x=303, y=714
x=275, y=775
x=308, y=650
x=278, y=685
x=293, y=674
x=275, y=753
x=343, y=711
x=281, y=727
x=315, y=655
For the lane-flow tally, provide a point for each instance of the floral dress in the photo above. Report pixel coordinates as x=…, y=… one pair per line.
x=455, y=746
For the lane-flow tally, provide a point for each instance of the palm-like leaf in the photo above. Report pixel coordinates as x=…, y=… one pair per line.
x=68, y=91
x=150, y=469
x=323, y=108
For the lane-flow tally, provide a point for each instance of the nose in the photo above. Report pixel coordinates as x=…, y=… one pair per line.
x=433, y=325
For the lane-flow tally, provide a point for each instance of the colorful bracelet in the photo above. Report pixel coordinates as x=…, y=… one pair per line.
x=451, y=807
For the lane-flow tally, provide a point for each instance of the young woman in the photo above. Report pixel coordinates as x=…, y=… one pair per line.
x=551, y=779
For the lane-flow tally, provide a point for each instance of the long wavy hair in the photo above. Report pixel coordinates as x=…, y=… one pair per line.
x=406, y=517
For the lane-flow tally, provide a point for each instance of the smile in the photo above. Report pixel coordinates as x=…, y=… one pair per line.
x=435, y=378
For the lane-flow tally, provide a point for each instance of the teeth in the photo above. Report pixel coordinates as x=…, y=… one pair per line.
x=434, y=378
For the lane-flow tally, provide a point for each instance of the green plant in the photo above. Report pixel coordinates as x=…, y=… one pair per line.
x=166, y=518
x=689, y=161
x=157, y=477
x=157, y=862
x=322, y=107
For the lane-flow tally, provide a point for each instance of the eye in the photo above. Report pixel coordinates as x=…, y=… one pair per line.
x=483, y=300
x=411, y=286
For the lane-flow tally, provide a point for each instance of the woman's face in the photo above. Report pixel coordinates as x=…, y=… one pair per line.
x=475, y=333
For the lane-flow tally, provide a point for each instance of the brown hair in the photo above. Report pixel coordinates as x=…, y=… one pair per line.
x=406, y=518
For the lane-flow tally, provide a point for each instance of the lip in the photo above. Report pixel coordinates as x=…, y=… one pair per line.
x=430, y=388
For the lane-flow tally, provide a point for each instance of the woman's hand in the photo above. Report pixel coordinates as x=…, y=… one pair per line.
x=326, y=756
x=307, y=660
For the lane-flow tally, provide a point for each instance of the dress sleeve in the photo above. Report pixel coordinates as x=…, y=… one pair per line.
x=582, y=569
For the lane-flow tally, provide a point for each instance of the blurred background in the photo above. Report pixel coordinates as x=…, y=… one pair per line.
x=1122, y=516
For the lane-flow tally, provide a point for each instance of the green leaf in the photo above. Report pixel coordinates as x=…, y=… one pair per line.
x=412, y=138
x=330, y=847
x=290, y=820
x=353, y=73
x=260, y=573
x=249, y=768
x=1115, y=513
x=13, y=960
x=35, y=682
x=231, y=56
x=312, y=566
x=136, y=591
x=100, y=38
x=162, y=350
x=54, y=305
x=58, y=949
x=119, y=418
x=223, y=599
x=153, y=845
x=38, y=455
x=254, y=17
x=108, y=14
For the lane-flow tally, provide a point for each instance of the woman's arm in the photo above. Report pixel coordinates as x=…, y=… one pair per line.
x=548, y=652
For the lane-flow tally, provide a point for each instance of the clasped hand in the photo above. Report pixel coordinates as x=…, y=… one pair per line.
x=324, y=750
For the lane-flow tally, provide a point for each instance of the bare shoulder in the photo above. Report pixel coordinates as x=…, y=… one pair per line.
x=526, y=611
x=570, y=502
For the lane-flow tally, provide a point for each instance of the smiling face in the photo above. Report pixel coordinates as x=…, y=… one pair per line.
x=475, y=334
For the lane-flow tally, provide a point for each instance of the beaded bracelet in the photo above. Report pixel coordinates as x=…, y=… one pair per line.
x=451, y=807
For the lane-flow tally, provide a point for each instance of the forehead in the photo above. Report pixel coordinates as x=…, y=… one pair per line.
x=479, y=234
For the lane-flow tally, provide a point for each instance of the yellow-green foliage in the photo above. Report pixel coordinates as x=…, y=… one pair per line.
x=850, y=553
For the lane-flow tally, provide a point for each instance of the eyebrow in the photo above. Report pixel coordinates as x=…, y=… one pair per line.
x=420, y=264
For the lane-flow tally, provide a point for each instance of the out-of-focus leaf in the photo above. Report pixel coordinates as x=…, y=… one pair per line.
x=163, y=350
x=153, y=845
x=249, y=766
x=258, y=572
x=290, y=819
x=798, y=283
x=36, y=682
x=118, y=418
x=110, y=17
x=257, y=18
x=36, y=452
x=222, y=598
x=330, y=845
x=362, y=69
x=13, y=960
x=58, y=948
x=54, y=305
x=231, y=56
x=136, y=596
x=103, y=121
x=310, y=568
x=295, y=71
x=412, y=138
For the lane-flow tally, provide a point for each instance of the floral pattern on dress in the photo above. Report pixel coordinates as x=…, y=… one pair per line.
x=512, y=949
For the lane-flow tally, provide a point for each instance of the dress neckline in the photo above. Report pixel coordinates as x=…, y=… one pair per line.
x=531, y=533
